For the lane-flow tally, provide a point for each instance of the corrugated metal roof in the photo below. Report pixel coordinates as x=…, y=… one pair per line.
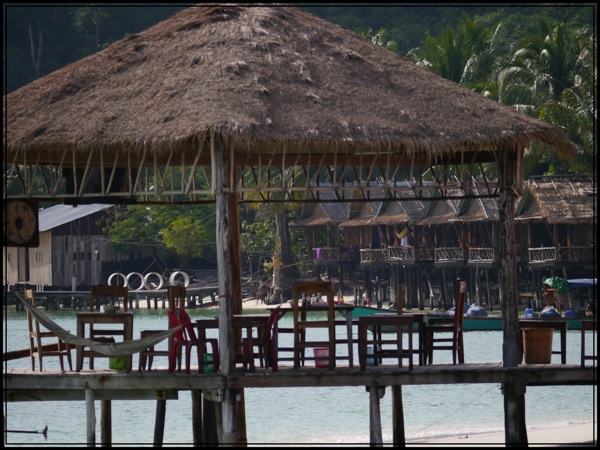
x=60, y=214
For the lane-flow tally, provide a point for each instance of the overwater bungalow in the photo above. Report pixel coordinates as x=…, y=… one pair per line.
x=556, y=227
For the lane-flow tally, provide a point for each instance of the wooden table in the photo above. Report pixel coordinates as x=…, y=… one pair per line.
x=90, y=318
x=247, y=322
x=344, y=309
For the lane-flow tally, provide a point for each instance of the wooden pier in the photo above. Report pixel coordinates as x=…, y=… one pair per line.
x=107, y=385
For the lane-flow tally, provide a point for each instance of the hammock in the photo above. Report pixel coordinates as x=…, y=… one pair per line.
x=105, y=348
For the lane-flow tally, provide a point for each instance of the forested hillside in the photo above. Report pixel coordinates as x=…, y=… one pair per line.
x=536, y=58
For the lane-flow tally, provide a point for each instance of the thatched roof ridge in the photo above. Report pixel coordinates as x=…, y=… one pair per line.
x=264, y=79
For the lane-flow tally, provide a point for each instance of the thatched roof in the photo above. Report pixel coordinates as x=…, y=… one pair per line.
x=326, y=213
x=558, y=201
x=264, y=79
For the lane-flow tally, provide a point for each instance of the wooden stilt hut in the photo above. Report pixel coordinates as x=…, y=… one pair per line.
x=180, y=111
x=556, y=228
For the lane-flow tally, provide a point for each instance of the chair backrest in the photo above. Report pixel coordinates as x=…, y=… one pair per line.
x=271, y=323
x=176, y=297
x=174, y=321
x=461, y=298
x=105, y=290
x=34, y=325
x=312, y=287
x=186, y=324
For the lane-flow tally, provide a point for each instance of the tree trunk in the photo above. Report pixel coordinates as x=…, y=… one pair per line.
x=289, y=272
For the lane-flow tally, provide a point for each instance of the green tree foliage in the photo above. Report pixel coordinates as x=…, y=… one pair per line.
x=465, y=55
x=549, y=75
x=556, y=65
x=183, y=231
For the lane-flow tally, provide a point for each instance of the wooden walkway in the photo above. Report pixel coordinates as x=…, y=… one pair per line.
x=28, y=385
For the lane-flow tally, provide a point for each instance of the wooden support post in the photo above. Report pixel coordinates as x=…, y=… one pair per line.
x=210, y=417
x=229, y=274
x=375, y=394
x=106, y=423
x=509, y=182
x=515, y=430
x=90, y=415
x=399, y=436
x=197, y=430
x=159, y=421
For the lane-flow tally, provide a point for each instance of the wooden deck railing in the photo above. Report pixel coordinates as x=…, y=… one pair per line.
x=449, y=254
x=325, y=253
x=368, y=255
x=482, y=255
x=401, y=253
x=576, y=253
x=542, y=255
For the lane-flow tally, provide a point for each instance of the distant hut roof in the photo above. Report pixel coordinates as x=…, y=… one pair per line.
x=266, y=80
x=58, y=215
x=558, y=201
x=363, y=213
x=326, y=213
x=478, y=209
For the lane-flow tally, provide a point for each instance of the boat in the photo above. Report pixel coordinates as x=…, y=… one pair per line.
x=472, y=323
x=495, y=322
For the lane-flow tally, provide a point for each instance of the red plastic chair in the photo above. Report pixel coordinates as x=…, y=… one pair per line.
x=270, y=340
x=185, y=337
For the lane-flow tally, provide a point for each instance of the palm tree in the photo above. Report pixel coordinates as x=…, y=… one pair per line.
x=465, y=55
x=556, y=67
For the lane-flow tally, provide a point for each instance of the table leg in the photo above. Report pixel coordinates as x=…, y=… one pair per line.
x=79, y=348
x=350, y=344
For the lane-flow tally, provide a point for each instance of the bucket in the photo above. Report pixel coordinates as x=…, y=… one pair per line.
x=117, y=363
x=321, y=357
x=370, y=360
x=207, y=358
x=537, y=345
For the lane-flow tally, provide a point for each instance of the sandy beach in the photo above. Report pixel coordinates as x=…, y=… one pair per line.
x=572, y=435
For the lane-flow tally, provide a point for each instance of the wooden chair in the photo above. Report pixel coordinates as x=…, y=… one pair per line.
x=176, y=299
x=266, y=339
x=454, y=326
x=36, y=335
x=301, y=324
x=203, y=325
x=382, y=346
x=116, y=294
x=589, y=325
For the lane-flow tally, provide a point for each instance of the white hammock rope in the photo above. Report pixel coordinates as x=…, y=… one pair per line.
x=125, y=348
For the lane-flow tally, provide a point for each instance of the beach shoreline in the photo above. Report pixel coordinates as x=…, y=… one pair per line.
x=584, y=434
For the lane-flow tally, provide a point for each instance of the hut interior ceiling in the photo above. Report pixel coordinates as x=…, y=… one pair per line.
x=123, y=178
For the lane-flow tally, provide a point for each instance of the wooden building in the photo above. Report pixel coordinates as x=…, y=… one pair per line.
x=556, y=227
x=73, y=252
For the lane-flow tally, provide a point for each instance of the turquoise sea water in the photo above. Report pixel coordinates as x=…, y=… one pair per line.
x=336, y=416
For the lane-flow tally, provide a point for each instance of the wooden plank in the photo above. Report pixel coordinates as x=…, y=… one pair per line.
x=42, y=395
x=541, y=374
x=25, y=353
